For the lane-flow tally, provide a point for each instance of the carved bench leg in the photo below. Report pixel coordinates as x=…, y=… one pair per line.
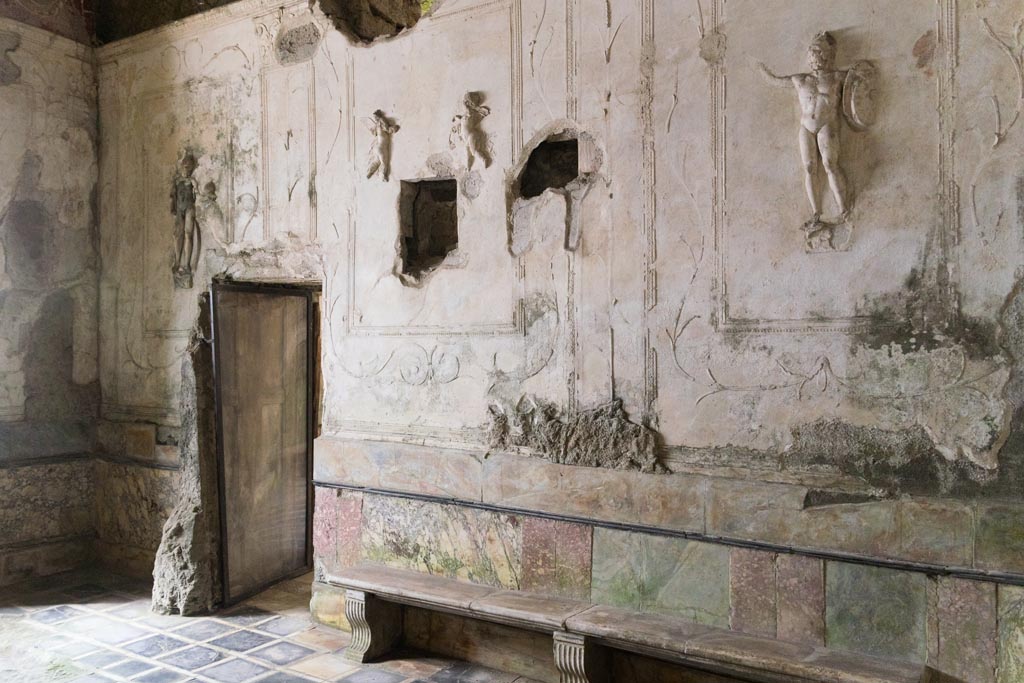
x=376, y=625
x=580, y=660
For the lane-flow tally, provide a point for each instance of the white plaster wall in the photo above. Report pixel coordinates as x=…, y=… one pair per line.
x=691, y=297
x=48, y=264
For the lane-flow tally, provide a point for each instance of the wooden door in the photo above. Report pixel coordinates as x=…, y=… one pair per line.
x=263, y=344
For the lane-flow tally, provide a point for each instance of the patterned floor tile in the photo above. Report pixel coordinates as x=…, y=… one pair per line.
x=56, y=615
x=235, y=671
x=246, y=616
x=242, y=641
x=281, y=653
x=160, y=676
x=164, y=622
x=193, y=658
x=154, y=646
x=131, y=667
x=284, y=626
x=100, y=659
x=323, y=639
x=104, y=627
x=374, y=676
x=471, y=673
x=134, y=610
x=105, y=630
x=414, y=665
x=285, y=677
x=203, y=629
x=325, y=667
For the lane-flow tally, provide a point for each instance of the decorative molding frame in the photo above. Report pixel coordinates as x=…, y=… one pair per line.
x=516, y=326
x=948, y=39
x=290, y=72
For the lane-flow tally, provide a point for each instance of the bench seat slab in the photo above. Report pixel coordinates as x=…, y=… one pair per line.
x=412, y=588
x=753, y=658
x=527, y=610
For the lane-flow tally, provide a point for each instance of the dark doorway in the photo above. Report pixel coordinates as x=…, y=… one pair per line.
x=265, y=364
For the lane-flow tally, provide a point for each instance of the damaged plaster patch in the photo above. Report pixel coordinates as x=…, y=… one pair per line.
x=51, y=394
x=10, y=72
x=298, y=44
x=904, y=461
x=923, y=359
x=369, y=20
x=712, y=48
x=287, y=257
x=600, y=437
x=543, y=174
x=924, y=50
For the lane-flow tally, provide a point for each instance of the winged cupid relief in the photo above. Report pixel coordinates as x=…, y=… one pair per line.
x=379, y=158
x=827, y=95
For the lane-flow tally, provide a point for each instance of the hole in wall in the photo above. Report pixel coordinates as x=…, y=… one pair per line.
x=561, y=164
x=429, y=221
x=552, y=165
x=297, y=44
x=369, y=20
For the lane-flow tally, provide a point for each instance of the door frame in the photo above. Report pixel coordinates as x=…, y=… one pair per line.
x=308, y=291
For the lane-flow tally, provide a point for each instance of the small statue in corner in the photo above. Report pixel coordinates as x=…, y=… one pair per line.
x=466, y=130
x=184, y=193
x=826, y=95
x=379, y=159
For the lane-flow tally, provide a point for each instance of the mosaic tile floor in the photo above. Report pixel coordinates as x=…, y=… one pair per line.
x=89, y=627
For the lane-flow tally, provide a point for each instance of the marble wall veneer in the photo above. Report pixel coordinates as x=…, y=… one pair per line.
x=969, y=630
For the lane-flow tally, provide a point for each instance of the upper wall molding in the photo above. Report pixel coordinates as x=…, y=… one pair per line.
x=41, y=38
x=190, y=26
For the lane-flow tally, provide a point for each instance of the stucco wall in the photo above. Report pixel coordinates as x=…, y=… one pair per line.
x=73, y=19
x=860, y=397
x=49, y=385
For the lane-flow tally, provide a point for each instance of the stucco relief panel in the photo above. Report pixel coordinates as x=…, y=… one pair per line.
x=760, y=334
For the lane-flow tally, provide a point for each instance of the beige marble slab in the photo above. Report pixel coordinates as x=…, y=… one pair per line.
x=408, y=586
x=528, y=609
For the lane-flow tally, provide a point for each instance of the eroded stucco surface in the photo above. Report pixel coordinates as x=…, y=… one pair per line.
x=49, y=374
x=72, y=19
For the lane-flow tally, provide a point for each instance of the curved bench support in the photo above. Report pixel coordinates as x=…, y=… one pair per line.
x=376, y=626
x=580, y=660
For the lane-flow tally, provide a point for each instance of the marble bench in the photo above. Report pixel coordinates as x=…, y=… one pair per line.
x=583, y=634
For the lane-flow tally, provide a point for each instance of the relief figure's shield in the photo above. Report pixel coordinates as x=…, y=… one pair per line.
x=859, y=105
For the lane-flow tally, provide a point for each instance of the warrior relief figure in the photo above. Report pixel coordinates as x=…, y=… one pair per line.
x=466, y=130
x=184, y=192
x=826, y=95
x=380, y=149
